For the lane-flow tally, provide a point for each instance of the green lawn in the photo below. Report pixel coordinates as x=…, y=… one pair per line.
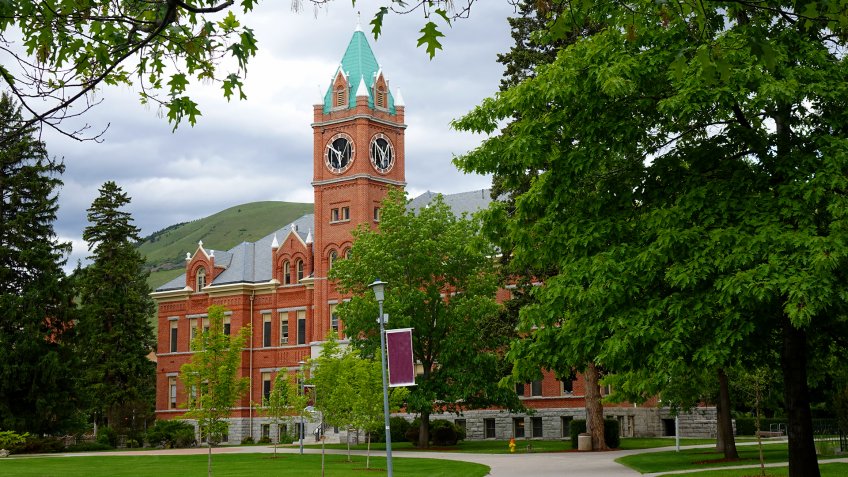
x=827, y=470
x=230, y=465
x=702, y=458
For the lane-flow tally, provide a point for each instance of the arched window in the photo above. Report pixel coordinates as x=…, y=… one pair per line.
x=347, y=254
x=200, y=279
x=333, y=257
x=286, y=273
x=299, y=270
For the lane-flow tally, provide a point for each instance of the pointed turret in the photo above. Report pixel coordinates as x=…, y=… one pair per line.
x=359, y=62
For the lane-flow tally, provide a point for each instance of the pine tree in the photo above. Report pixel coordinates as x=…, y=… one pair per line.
x=36, y=375
x=115, y=333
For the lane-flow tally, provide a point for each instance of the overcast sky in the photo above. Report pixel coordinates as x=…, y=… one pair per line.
x=261, y=148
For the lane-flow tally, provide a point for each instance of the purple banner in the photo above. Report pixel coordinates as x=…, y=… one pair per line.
x=401, y=363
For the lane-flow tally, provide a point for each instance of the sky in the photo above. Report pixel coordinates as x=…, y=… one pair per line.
x=261, y=148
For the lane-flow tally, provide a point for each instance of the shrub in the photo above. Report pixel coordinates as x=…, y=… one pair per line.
x=264, y=440
x=11, y=439
x=399, y=428
x=411, y=433
x=107, y=436
x=445, y=433
x=611, y=432
x=247, y=441
x=171, y=433
x=39, y=445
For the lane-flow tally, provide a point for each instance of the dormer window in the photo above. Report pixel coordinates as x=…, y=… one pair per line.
x=200, y=279
x=381, y=93
x=340, y=91
x=380, y=99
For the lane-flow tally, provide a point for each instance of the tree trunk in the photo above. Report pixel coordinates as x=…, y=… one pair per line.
x=725, y=442
x=594, y=408
x=209, y=463
x=424, y=430
x=802, y=450
x=367, y=455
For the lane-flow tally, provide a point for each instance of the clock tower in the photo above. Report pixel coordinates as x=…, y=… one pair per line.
x=358, y=132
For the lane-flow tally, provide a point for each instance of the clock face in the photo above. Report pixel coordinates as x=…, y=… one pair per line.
x=382, y=153
x=339, y=153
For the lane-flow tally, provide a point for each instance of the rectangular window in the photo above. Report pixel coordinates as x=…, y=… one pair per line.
x=282, y=432
x=284, y=328
x=460, y=423
x=536, y=388
x=334, y=215
x=489, y=428
x=266, y=431
x=566, y=425
x=227, y=325
x=301, y=327
x=334, y=319
x=174, y=336
x=376, y=214
x=266, y=330
x=518, y=427
x=519, y=389
x=299, y=429
x=205, y=325
x=567, y=386
x=266, y=386
x=192, y=330
x=172, y=392
x=536, y=423
x=345, y=213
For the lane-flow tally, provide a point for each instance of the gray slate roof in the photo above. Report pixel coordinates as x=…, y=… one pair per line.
x=461, y=203
x=250, y=262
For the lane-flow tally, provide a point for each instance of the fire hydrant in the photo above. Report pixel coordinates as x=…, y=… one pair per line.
x=512, y=445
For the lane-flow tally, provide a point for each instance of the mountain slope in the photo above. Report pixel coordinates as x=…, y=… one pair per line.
x=165, y=250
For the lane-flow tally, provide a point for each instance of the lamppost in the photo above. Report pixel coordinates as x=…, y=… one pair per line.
x=379, y=288
x=302, y=429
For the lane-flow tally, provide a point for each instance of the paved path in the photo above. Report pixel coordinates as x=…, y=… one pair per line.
x=556, y=464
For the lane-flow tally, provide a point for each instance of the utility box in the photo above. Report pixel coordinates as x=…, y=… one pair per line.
x=584, y=442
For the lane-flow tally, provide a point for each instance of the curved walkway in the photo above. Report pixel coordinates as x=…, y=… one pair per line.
x=555, y=464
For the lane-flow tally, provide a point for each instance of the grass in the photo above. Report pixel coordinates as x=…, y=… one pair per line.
x=701, y=458
x=231, y=465
x=827, y=470
x=220, y=231
x=521, y=445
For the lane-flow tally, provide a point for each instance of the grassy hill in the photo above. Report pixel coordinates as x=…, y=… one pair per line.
x=165, y=250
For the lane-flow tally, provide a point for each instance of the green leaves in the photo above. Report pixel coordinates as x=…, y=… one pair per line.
x=430, y=35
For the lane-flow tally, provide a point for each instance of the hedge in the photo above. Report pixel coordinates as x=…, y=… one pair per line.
x=611, y=432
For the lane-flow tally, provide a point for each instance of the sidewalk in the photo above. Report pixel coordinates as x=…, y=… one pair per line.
x=555, y=464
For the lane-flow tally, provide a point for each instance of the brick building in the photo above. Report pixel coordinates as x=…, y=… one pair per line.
x=278, y=284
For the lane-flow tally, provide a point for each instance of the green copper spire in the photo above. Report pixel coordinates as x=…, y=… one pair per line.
x=358, y=64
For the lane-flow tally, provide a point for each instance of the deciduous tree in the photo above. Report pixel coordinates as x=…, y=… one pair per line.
x=212, y=379
x=70, y=48
x=692, y=189
x=441, y=282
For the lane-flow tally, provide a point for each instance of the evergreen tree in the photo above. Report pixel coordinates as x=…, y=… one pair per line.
x=115, y=333
x=36, y=385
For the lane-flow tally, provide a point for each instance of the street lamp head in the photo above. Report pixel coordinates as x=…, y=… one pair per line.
x=379, y=288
